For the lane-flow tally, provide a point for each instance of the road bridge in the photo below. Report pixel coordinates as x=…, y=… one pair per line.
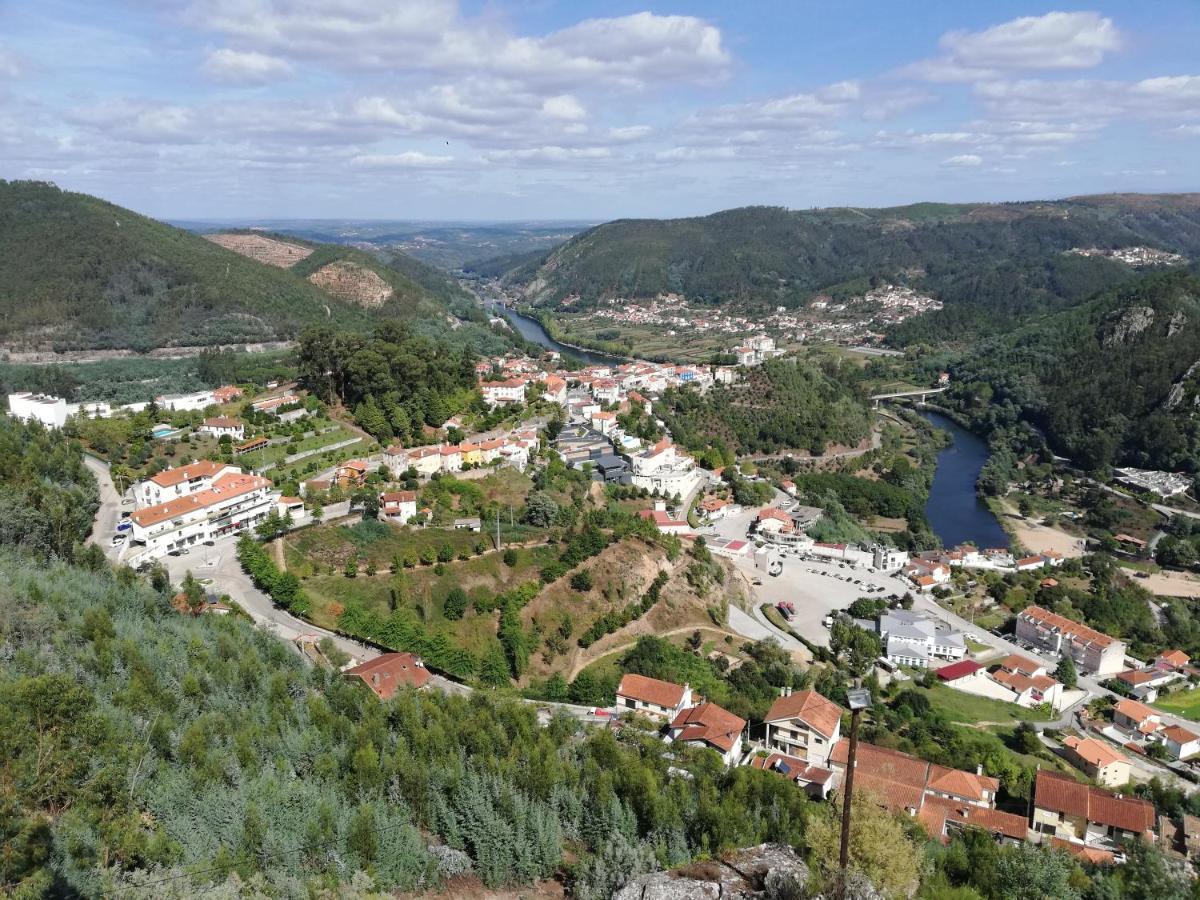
x=901, y=395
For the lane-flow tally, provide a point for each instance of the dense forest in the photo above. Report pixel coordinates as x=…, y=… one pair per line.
x=395, y=381
x=1112, y=381
x=47, y=495
x=988, y=263
x=785, y=404
x=144, y=750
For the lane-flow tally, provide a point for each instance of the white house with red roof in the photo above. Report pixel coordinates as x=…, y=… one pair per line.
x=652, y=696
x=556, y=390
x=711, y=726
x=179, y=481
x=498, y=393
x=804, y=725
x=398, y=505
x=663, y=522
x=223, y=426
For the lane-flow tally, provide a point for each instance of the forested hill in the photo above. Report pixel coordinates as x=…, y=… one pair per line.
x=996, y=259
x=77, y=272
x=1115, y=380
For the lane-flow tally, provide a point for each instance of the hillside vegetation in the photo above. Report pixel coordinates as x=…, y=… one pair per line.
x=1114, y=380
x=77, y=272
x=986, y=262
x=785, y=404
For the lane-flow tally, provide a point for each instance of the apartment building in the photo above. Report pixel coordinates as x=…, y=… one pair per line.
x=232, y=501
x=179, y=481
x=1093, y=652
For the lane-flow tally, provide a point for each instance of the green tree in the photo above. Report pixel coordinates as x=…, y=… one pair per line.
x=1065, y=672
x=455, y=604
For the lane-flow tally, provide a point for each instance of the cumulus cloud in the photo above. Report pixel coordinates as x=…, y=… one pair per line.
x=138, y=122
x=963, y=161
x=248, y=66
x=1174, y=96
x=433, y=35
x=1057, y=40
x=8, y=64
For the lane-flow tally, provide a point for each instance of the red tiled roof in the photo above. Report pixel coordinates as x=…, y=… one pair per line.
x=1093, y=855
x=222, y=422
x=399, y=496
x=1179, y=734
x=228, y=485
x=1066, y=626
x=710, y=724
x=650, y=690
x=1136, y=676
x=958, y=670
x=1014, y=662
x=958, y=783
x=1092, y=751
x=1062, y=793
x=796, y=769
x=1175, y=657
x=1137, y=712
x=387, y=673
x=771, y=512
x=815, y=711
x=203, y=469
x=937, y=813
x=881, y=762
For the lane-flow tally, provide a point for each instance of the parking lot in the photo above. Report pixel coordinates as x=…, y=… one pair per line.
x=815, y=587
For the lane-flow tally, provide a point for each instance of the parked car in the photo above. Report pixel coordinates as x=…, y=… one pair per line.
x=124, y=526
x=118, y=540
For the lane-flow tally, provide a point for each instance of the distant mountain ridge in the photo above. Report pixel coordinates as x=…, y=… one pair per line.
x=1003, y=259
x=77, y=272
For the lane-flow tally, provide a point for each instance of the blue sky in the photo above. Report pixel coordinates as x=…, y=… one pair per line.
x=579, y=110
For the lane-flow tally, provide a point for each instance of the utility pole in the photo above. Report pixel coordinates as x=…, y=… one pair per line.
x=859, y=699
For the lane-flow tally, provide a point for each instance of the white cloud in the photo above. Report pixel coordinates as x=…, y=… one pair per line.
x=410, y=159
x=433, y=36
x=1057, y=40
x=697, y=153
x=1187, y=130
x=629, y=133
x=963, y=161
x=238, y=66
x=142, y=123
x=1095, y=100
x=550, y=154
x=565, y=107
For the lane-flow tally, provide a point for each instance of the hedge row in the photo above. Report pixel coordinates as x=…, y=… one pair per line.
x=611, y=621
x=283, y=587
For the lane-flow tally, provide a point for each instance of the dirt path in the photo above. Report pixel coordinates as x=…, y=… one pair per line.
x=1167, y=584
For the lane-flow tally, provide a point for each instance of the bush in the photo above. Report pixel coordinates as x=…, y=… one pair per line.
x=581, y=581
x=455, y=604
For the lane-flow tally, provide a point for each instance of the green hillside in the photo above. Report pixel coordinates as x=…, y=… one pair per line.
x=77, y=272
x=1113, y=380
x=987, y=262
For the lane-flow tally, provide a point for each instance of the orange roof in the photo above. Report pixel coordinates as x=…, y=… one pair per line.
x=818, y=713
x=1020, y=682
x=710, y=724
x=222, y=422
x=958, y=783
x=1073, y=629
x=1015, y=662
x=793, y=768
x=771, y=512
x=891, y=765
x=1175, y=657
x=1137, y=712
x=1093, y=855
x=650, y=690
x=1136, y=676
x=1179, y=734
x=1094, y=752
x=937, y=813
x=229, y=485
x=1062, y=793
x=385, y=674
x=398, y=496
x=1028, y=560
x=203, y=469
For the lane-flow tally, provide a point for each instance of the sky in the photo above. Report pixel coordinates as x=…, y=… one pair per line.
x=531, y=109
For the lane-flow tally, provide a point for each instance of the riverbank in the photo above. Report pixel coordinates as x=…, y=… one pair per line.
x=1034, y=537
x=955, y=512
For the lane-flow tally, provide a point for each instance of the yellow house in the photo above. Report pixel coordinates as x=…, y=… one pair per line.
x=471, y=454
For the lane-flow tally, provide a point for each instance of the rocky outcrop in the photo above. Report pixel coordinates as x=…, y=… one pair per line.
x=263, y=249
x=353, y=283
x=1132, y=322
x=765, y=872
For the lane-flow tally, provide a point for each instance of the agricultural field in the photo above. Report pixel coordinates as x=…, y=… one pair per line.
x=1185, y=704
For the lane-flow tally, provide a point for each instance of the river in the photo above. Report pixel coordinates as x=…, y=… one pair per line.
x=954, y=510
x=532, y=330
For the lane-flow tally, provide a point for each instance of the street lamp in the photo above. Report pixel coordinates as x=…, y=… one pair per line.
x=859, y=698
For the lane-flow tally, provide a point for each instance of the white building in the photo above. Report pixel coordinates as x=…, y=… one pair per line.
x=711, y=726
x=398, y=505
x=652, y=697
x=888, y=559
x=180, y=482
x=912, y=639
x=222, y=426
x=511, y=390
x=181, y=402
x=664, y=469
x=233, y=501
x=804, y=725
x=29, y=407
